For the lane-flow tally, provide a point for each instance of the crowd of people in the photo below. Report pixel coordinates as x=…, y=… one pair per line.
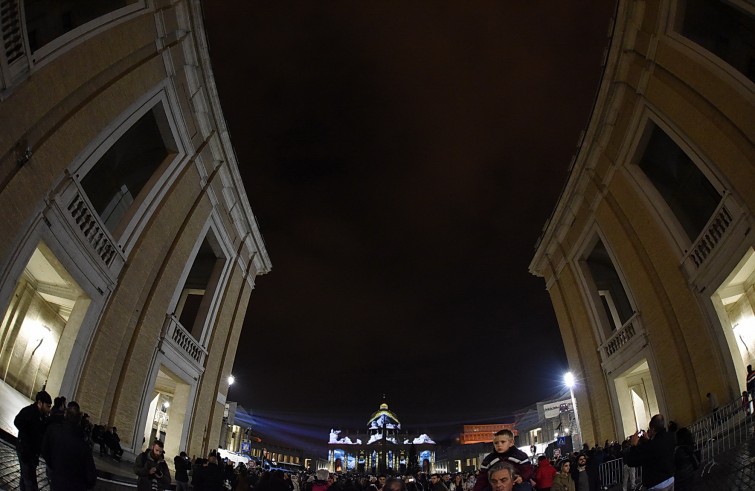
x=64, y=437
x=61, y=434
x=55, y=432
x=665, y=454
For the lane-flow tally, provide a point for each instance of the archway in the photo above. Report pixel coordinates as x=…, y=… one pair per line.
x=40, y=326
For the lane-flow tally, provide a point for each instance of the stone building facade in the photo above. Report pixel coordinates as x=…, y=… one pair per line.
x=649, y=255
x=483, y=433
x=129, y=248
x=383, y=447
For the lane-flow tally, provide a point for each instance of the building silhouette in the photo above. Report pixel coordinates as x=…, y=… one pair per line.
x=648, y=255
x=129, y=248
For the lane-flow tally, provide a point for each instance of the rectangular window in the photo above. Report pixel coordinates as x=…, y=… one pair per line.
x=47, y=20
x=115, y=181
x=199, y=287
x=613, y=297
x=724, y=30
x=688, y=193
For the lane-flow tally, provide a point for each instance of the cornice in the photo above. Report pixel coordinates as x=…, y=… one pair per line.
x=591, y=141
x=253, y=239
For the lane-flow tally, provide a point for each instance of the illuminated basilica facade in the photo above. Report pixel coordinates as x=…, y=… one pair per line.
x=129, y=248
x=383, y=447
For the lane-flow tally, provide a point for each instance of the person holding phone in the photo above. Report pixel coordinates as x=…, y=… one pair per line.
x=151, y=469
x=654, y=452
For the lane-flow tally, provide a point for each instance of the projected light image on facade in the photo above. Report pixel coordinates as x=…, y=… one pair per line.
x=385, y=446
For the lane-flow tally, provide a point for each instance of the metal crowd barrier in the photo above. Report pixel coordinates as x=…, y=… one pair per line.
x=726, y=428
x=611, y=473
x=615, y=473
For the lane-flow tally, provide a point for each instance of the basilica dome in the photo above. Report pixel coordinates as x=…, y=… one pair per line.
x=383, y=418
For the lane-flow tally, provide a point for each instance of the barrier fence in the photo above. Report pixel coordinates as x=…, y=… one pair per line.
x=615, y=473
x=724, y=429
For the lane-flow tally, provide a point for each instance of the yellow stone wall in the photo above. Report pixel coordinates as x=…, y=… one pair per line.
x=222, y=352
x=648, y=69
x=60, y=111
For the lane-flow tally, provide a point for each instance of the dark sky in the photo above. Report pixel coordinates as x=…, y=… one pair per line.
x=401, y=159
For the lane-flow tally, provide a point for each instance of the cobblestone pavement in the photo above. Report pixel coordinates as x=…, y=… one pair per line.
x=732, y=470
x=10, y=472
x=112, y=474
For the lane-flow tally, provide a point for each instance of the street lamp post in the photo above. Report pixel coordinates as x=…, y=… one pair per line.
x=226, y=416
x=569, y=381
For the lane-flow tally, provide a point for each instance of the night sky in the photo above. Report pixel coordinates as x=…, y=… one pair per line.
x=401, y=159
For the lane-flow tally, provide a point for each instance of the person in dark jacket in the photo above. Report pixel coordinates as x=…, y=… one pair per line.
x=182, y=465
x=106, y=436
x=394, y=484
x=278, y=482
x=209, y=477
x=197, y=472
x=30, y=422
x=686, y=461
x=229, y=474
x=412, y=484
x=504, y=450
x=66, y=452
x=150, y=468
x=585, y=473
x=114, y=444
x=242, y=480
x=501, y=476
x=436, y=483
x=58, y=411
x=654, y=452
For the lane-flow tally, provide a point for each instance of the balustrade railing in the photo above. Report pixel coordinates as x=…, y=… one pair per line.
x=88, y=222
x=72, y=207
x=713, y=233
x=13, y=60
x=182, y=339
x=621, y=337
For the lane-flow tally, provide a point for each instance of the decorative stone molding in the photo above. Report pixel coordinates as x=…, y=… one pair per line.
x=78, y=214
x=714, y=232
x=622, y=337
x=14, y=63
x=176, y=335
